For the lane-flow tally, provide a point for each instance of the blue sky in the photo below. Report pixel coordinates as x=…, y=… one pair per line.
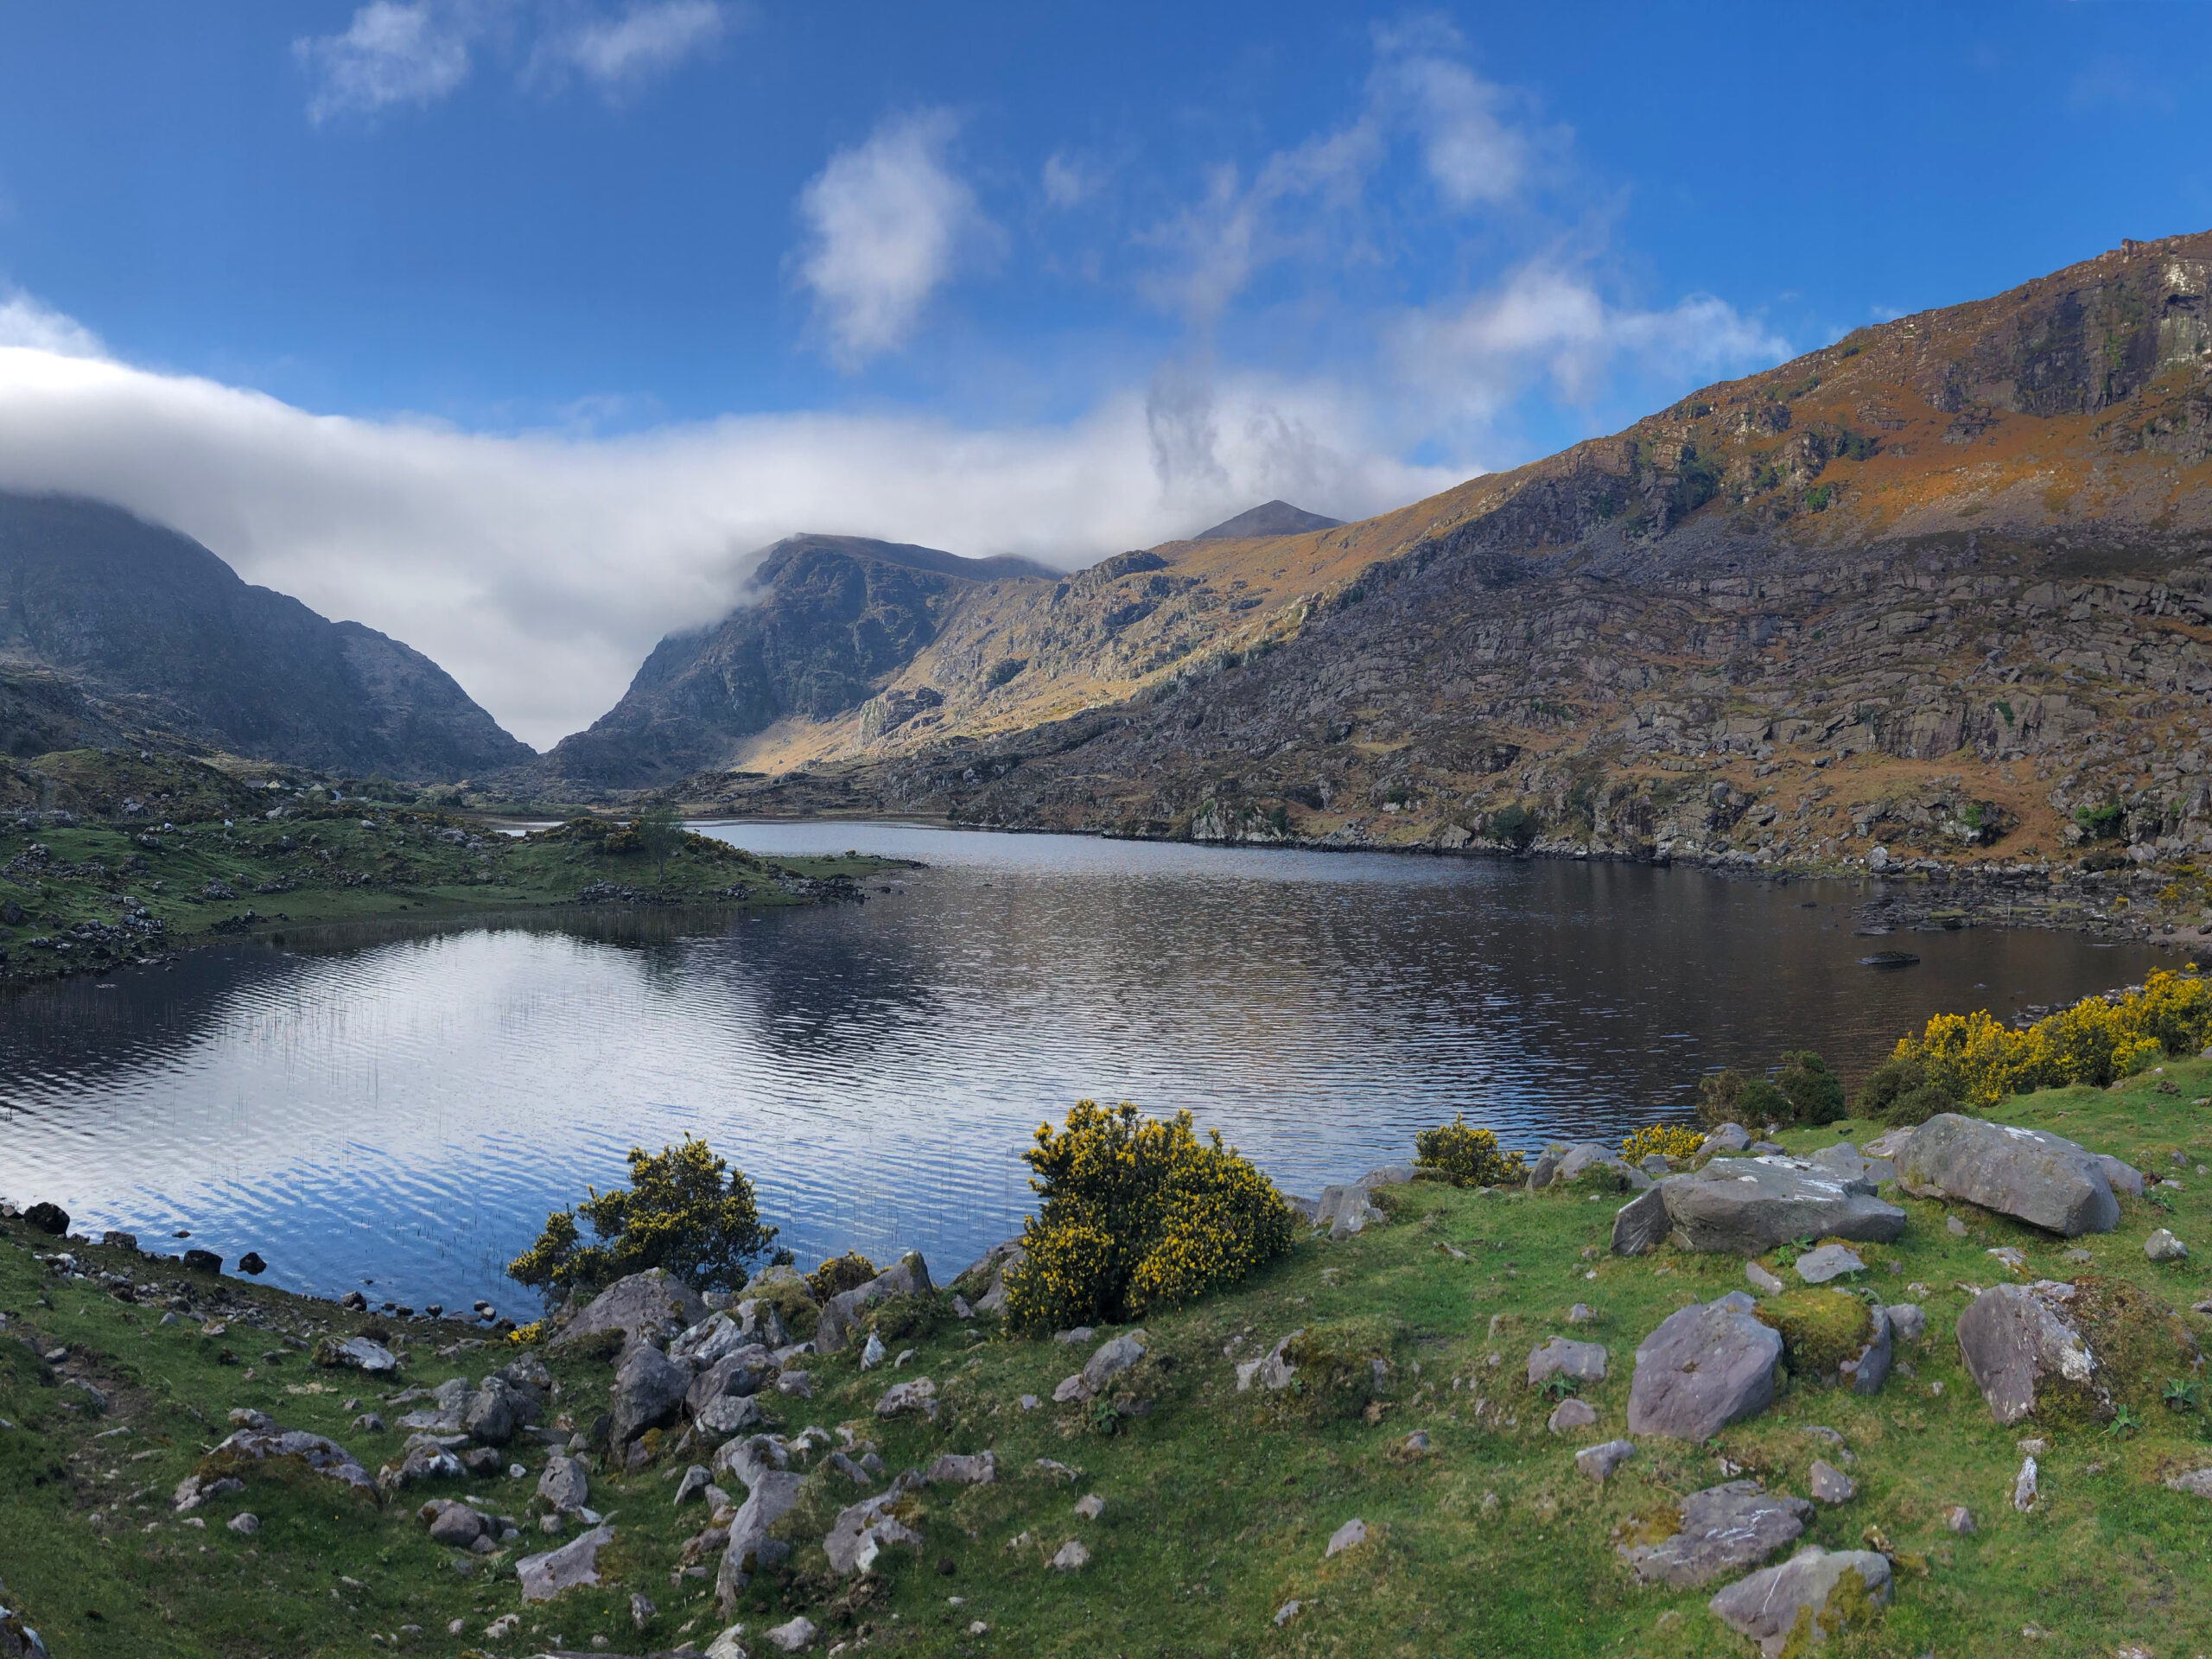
x=608, y=292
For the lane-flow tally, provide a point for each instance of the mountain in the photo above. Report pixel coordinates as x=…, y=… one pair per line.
x=833, y=615
x=1268, y=519
x=116, y=630
x=1943, y=588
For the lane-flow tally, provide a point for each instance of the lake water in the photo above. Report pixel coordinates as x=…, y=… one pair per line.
x=406, y=1110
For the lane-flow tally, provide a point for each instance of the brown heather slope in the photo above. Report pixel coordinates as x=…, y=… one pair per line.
x=1943, y=589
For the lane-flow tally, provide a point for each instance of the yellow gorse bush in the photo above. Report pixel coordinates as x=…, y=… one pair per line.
x=1672, y=1139
x=1137, y=1213
x=1466, y=1157
x=1978, y=1061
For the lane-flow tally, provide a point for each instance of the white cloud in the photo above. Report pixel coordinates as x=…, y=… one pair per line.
x=390, y=54
x=888, y=223
x=25, y=322
x=1069, y=180
x=1471, y=155
x=650, y=38
x=539, y=568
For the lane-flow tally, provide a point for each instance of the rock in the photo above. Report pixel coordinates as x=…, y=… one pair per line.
x=1868, y=1369
x=2009, y=1255
x=1090, y=1506
x=1274, y=1371
x=1343, y=1211
x=1723, y=1528
x=420, y=1459
x=861, y=1532
x=195, y=1490
x=1073, y=1554
x=694, y=1484
x=1845, y=1161
x=1580, y=1314
x=2123, y=1178
x=495, y=1412
x=908, y=1276
x=356, y=1353
x=2163, y=1246
x=1745, y=1206
x=1641, y=1224
x=1890, y=1142
x=950, y=1467
x=574, y=1563
x=50, y=1219
x=727, y=1646
x=2017, y=1342
x=367, y=1423
x=1907, y=1320
x=1570, y=1414
x=454, y=1525
x=244, y=1523
x=353, y=1299
x=2042, y=1178
x=1349, y=1535
x=773, y=1494
x=1955, y=1227
x=647, y=1392
x=2197, y=1483
x=1817, y=1267
x=644, y=1306
x=985, y=1277
x=1285, y=1613
x=1729, y=1137
x=791, y=1634
x=1959, y=1518
x=1599, y=1462
x=708, y=1340
x=251, y=1263
x=1075, y=1338
x=1830, y=1484
x=642, y=1612
x=873, y=1355
x=1762, y=1281
x=1584, y=1361
x=294, y=1447
x=730, y=1414
x=564, y=1485
x=742, y=1370
x=919, y=1394
x=1111, y=1359
x=1814, y=1594
x=1707, y=1366
x=2023, y=1486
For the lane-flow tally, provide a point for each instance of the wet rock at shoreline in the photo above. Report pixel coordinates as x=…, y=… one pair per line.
x=1707, y=1366
x=2040, y=1178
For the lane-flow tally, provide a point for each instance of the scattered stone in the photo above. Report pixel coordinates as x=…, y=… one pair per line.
x=873, y=1355
x=642, y=1612
x=774, y=1492
x=244, y=1523
x=2163, y=1246
x=1031, y=1403
x=574, y=1563
x=1955, y=1227
x=1570, y=1414
x=50, y=1219
x=357, y=1353
x=918, y=1394
x=1580, y=1315
x=1073, y=1554
x=1074, y=1338
x=792, y=1634
x=1747, y=1206
x=1830, y=1484
x=1285, y=1613
x=1582, y=1361
x=2123, y=1178
x=2011, y=1256
x=2197, y=1483
x=1274, y=1371
x=2023, y=1486
x=1847, y=1161
x=796, y=1385
x=1908, y=1320
x=951, y=1468
x=710, y=1340
x=647, y=1392
x=1868, y=1369
x=1817, y=1267
x=457, y=1526
x=367, y=1423
x=644, y=1305
x=1641, y=1224
x=730, y=1414
x=1762, y=1281
x=1600, y=1461
x=1111, y=1359
x=2016, y=1342
x=1349, y=1535
x=2040, y=1178
x=696, y=1480
x=862, y=1530
x=1959, y=1518
x=1729, y=1137
x=1814, y=1594
x=564, y=1485
x=1707, y=1365
x=1723, y=1528
x=1090, y=1506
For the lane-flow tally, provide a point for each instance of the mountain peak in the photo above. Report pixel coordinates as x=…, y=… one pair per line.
x=1276, y=518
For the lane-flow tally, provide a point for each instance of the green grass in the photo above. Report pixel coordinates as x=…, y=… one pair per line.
x=1218, y=1504
x=324, y=864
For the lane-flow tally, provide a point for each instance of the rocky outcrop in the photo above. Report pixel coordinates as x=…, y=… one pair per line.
x=2042, y=1178
x=1724, y=1530
x=647, y=1392
x=1745, y=1206
x=1707, y=1366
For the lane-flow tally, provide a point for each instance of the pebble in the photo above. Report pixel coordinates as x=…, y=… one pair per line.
x=1029, y=1402
x=1959, y=1518
x=1285, y=1613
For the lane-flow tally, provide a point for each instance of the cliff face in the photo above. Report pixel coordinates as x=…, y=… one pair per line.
x=1943, y=589
x=112, y=629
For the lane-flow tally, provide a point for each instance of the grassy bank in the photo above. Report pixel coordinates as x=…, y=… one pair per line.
x=198, y=856
x=1218, y=1504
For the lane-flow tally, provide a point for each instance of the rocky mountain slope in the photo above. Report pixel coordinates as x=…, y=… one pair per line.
x=116, y=630
x=1940, y=591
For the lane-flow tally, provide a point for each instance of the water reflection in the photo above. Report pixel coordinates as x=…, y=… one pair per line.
x=405, y=1105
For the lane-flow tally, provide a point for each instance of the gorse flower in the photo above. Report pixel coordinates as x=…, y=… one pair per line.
x=678, y=1212
x=1671, y=1139
x=1466, y=1157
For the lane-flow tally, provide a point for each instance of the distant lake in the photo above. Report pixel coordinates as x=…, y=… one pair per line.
x=406, y=1108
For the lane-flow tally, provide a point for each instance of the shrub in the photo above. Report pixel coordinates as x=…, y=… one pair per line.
x=839, y=1274
x=1514, y=824
x=685, y=1210
x=1815, y=1093
x=1899, y=1092
x=1466, y=1157
x=1729, y=1097
x=1669, y=1140
x=1137, y=1213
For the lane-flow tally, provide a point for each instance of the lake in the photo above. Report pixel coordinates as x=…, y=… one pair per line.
x=402, y=1111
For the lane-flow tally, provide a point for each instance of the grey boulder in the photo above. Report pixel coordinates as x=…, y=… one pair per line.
x=1745, y=1206
x=1817, y=1267
x=1582, y=1361
x=1797, y=1603
x=1724, y=1530
x=1845, y=1160
x=774, y=1494
x=647, y=1391
x=1641, y=1224
x=574, y=1563
x=742, y=1370
x=2018, y=1344
x=1707, y=1366
x=1868, y=1369
x=2125, y=1177
x=908, y=1276
x=565, y=1484
x=1557, y=1165
x=2042, y=1178
x=730, y=1414
x=1729, y=1137
x=1346, y=1210
x=654, y=1304
x=1111, y=1359
x=985, y=1277
x=357, y=1353
x=493, y=1413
